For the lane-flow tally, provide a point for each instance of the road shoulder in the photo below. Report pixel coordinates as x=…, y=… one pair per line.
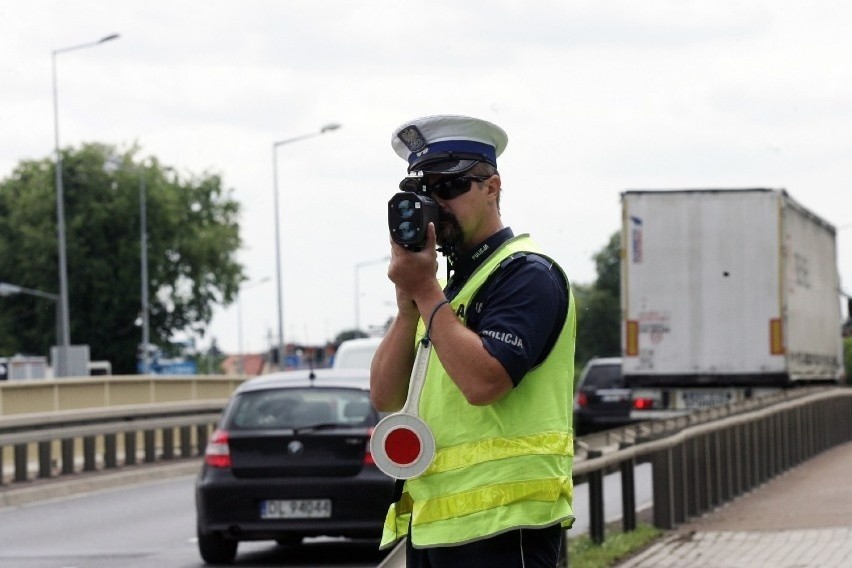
x=15, y=495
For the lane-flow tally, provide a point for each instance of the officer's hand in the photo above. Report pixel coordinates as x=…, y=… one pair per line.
x=413, y=273
x=405, y=304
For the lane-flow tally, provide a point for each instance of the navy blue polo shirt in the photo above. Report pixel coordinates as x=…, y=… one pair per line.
x=519, y=315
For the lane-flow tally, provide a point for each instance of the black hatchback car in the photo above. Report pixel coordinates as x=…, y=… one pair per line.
x=290, y=459
x=601, y=401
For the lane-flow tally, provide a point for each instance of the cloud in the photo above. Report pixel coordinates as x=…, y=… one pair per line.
x=597, y=97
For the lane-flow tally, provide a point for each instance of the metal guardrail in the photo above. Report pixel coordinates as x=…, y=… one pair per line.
x=705, y=459
x=608, y=440
x=53, y=444
x=56, y=427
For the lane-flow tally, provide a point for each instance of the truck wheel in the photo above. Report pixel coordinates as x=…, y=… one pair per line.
x=216, y=549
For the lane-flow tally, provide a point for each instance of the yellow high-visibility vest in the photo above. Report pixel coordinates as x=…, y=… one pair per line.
x=497, y=467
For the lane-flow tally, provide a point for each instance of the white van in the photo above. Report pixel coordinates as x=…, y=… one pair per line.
x=356, y=353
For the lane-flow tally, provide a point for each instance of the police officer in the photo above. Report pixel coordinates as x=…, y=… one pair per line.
x=498, y=388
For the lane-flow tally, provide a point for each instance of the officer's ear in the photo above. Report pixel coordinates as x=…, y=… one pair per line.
x=492, y=184
x=493, y=187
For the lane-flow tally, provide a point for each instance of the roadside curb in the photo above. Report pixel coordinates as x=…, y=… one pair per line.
x=41, y=490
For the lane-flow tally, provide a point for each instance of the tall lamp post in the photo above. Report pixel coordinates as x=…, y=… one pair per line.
x=275, y=145
x=242, y=360
x=113, y=163
x=358, y=267
x=65, y=340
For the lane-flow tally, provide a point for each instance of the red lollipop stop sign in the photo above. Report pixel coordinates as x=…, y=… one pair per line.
x=402, y=444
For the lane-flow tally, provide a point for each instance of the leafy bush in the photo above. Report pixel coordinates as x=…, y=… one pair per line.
x=583, y=553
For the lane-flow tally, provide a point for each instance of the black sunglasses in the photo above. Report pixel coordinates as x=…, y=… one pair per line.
x=445, y=189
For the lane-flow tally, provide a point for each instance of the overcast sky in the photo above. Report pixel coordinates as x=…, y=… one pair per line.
x=597, y=97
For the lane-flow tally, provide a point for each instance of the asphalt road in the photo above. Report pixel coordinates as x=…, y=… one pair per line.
x=151, y=525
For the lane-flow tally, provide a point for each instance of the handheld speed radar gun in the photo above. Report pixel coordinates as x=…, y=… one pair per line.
x=409, y=213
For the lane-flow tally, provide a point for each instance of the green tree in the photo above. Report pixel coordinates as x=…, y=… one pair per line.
x=599, y=307
x=348, y=334
x=210, y=362
x=193, y=237
x=608, y=266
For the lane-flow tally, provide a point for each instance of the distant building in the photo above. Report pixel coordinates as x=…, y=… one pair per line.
x=253, y=364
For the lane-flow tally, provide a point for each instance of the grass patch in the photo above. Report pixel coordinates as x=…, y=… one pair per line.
x=583, y=553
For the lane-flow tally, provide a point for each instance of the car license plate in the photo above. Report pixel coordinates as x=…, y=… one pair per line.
x=705, y=398
x=614, y=395
x=295, y=509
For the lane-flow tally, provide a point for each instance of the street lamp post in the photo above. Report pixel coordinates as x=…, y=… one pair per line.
x=143, y=269
x=113, y=164
x=242, y=360
x=65, y=339
x=358, y=267
x=275, y=145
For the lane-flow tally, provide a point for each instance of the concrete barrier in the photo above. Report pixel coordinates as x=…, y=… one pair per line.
x=55, y=395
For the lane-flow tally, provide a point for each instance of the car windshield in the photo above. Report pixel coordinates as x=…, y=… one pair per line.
x=603, y=377
x=297, y=408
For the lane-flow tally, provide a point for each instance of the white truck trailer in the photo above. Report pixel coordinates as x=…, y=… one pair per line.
x=725, y=295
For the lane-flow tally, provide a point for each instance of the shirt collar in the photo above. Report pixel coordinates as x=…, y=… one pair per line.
x=468, y=262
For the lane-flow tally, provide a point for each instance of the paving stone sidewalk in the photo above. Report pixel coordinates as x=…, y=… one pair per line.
x=800, y=519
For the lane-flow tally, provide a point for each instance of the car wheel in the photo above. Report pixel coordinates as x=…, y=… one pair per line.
x=289, y=540
x=216, y=549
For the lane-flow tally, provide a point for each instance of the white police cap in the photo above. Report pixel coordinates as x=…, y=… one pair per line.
x=448, y=144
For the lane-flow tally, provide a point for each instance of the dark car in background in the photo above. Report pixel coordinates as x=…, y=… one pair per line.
x=601, y=400
x=290, y=459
